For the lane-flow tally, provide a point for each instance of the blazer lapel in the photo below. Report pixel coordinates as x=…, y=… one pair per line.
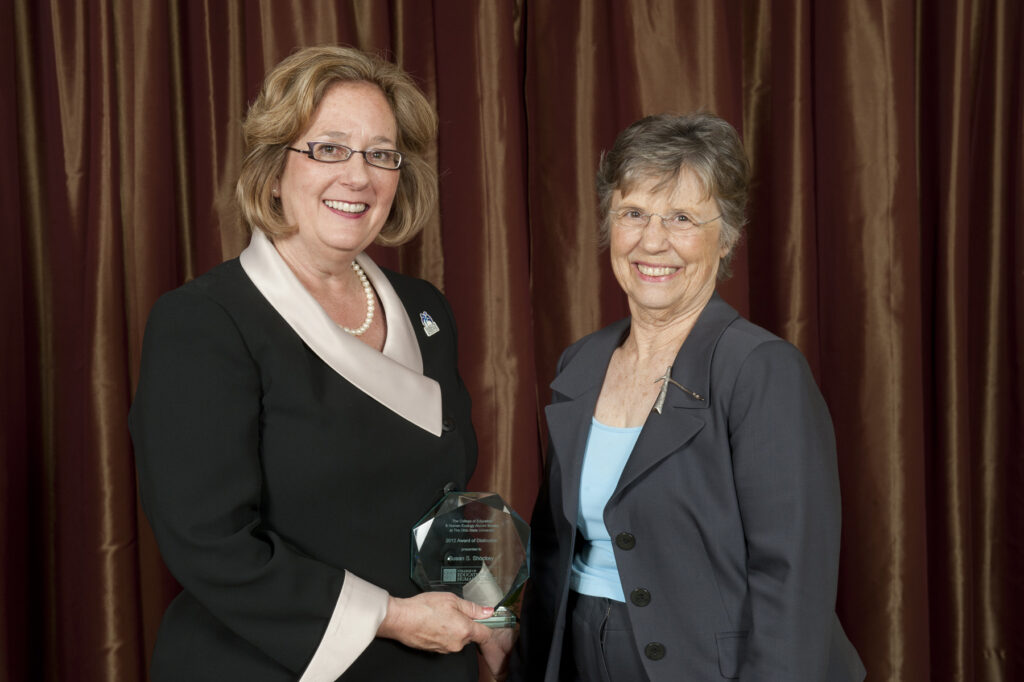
x=568, y=427
x=579, y=384
x=662, y=435
x=393, y=378
x=682, y=416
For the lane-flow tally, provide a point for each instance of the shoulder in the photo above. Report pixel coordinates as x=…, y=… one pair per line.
x=219, y=285
x=422, y=300
x=223, y=290
x=223, y=282
x=413, y=289
x=751, y=361
x=745, y=341
x=222, y=301
x=194, y=338
x=596, y=344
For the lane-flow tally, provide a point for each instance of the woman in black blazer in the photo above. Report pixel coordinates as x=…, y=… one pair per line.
x=299, y=408
x=688, y=525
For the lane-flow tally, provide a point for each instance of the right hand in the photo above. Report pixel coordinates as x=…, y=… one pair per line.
x=435, y=621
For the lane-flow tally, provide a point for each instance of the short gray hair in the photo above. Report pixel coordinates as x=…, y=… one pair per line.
x=659, y=147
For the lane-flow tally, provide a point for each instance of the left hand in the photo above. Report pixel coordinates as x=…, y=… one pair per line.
x=496, y=651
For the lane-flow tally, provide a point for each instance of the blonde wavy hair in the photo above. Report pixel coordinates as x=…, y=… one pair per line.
x=287, y=102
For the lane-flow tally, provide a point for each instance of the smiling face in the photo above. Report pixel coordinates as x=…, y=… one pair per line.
x=340, y=208
x=666, y=276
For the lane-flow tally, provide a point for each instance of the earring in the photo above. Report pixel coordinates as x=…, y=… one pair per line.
x=275, y=191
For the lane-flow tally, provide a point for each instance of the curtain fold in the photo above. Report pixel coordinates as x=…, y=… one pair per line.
x=778, y=129
x=18, y=626
x=994, y=282
x=870, y=320
x=886, y=240
x=970, y=124
x=946, y=84
x=486, y=242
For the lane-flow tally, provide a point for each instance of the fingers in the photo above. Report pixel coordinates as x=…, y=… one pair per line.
x=479, y=633
x=439, y=622
x=459, y=629
x=473, y=610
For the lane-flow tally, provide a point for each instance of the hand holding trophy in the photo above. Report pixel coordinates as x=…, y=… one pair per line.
x=475, y=546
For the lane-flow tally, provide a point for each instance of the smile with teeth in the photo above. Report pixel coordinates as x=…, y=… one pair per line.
x=345, y=206
x=652, y=271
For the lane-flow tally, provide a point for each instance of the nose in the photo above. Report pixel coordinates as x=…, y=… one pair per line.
x=354, y=172
x=654, y=236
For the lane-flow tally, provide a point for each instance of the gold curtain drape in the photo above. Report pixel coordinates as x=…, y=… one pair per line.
x=886, y=240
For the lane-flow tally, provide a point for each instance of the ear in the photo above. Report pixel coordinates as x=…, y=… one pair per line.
x=725, y=246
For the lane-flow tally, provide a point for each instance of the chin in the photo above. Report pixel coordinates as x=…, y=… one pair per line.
x=652, y=306
x=350, y=240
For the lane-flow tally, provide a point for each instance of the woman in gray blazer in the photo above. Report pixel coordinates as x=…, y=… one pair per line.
x=688, y=525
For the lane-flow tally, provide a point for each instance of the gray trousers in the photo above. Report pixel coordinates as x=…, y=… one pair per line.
x=603, y=647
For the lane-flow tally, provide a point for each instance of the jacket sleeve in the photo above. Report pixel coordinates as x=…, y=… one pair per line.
x=195, y=426
x=787, y=483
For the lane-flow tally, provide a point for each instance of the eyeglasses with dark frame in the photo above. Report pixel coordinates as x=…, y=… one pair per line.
x=676, y=224
x=332, y=152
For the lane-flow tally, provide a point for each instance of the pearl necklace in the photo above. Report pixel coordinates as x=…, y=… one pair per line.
x=368, y=290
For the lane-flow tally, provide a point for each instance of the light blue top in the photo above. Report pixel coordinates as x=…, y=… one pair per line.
x=593, y=568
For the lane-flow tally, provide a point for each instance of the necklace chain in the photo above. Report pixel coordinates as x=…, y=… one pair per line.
x=368, y=290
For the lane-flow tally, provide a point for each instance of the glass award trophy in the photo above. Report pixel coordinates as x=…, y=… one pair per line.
x=475, y=546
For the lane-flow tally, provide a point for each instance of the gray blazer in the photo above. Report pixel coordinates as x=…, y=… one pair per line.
x=725, y=521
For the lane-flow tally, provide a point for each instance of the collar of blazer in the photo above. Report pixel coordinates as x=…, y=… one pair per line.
x=579, y=381
x=394, y=377
x=692, y=366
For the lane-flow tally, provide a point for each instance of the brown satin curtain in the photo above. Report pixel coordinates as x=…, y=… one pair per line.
x=886, y=240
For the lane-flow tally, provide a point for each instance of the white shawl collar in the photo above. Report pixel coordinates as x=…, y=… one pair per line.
x=393, y=378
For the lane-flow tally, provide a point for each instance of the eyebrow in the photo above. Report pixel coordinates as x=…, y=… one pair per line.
x=338, y=135
x=634, y=207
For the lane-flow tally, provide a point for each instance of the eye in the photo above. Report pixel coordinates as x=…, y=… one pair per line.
x=681, y=219
x=633, y=214
x=328, y=152
x=378, y=154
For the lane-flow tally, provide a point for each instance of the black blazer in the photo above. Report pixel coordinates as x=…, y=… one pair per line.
x=725, y=521
x=265, y=474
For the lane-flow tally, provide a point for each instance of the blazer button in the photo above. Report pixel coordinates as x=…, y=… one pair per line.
x=625, y=540
x=655, y=651
x=448, y=424
x=640, y=597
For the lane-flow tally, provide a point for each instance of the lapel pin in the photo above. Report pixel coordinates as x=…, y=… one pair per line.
x=429, y=326
x=665, y=380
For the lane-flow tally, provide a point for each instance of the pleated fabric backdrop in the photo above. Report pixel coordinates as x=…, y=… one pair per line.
x=886, y=240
